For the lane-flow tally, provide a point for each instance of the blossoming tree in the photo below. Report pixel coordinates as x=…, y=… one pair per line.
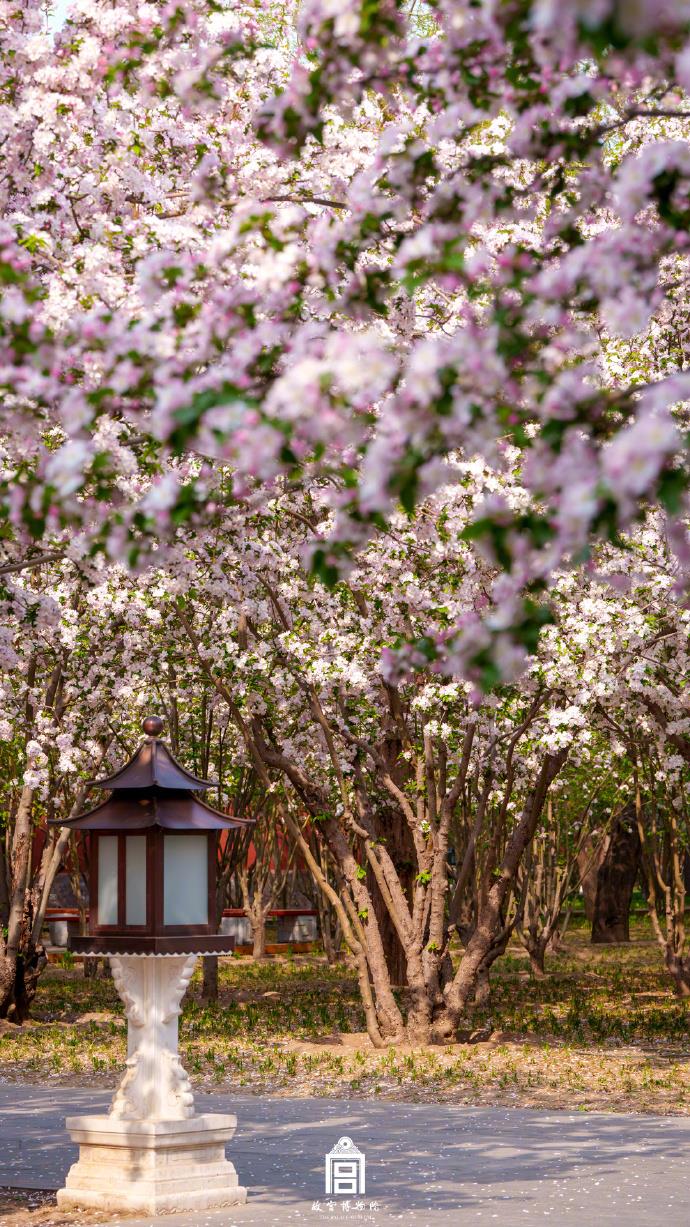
x=391, y=777
x=57, y=684
x=367, y=291
x=424, y=797
x=250, y=245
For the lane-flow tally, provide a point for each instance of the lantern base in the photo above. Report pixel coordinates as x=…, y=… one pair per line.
x=151, y=1167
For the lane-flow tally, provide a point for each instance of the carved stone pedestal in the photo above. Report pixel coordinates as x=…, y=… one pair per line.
x=151, y=1153
x=154, y=1167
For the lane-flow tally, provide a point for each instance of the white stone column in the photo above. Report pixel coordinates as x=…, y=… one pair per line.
x=152, y=1153
x=155, y=1086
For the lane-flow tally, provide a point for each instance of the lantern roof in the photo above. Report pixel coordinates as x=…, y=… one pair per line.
x=153, y=789
x=172, y=812
x=153, y=767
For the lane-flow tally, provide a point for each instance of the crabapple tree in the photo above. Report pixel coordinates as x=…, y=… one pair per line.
x=386, y=775
x=246, y=247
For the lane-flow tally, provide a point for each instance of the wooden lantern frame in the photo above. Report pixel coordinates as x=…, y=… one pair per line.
x=152, y=796
x=155, y=884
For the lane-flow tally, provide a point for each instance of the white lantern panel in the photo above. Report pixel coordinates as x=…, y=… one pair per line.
x=107, y=880
x=185, y=880
x=135, y=890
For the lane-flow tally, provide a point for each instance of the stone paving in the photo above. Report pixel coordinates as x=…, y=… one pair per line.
x=429, y=1166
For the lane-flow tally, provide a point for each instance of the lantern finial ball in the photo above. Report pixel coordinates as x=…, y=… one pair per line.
x=153, y=726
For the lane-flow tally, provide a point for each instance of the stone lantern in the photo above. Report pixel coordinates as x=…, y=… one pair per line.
x=153, y=865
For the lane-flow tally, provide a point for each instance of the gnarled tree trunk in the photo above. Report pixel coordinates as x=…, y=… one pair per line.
x=20, y=959
x=257, y=919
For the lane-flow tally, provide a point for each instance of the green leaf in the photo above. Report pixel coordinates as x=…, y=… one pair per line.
x=673, y=484
x=325, y=570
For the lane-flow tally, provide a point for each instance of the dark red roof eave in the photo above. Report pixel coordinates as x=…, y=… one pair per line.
x=178, y=814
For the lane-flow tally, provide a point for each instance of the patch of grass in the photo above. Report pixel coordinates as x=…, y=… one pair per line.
x=603, y=1030
x=591, y=993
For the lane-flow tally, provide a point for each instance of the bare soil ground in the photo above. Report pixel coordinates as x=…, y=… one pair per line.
x=36, y=1208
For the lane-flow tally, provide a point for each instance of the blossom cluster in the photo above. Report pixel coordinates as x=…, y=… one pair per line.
x=247, y=248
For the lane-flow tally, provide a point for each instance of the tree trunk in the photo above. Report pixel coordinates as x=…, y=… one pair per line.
x=536, y=952
x=400, y=847
x=394, y=954
x=589, y=860
x=4, y=889
x=679, y=969
x=209, y=983
x=616, y=882
x=489, y=920
x=28, y=970
x=686, y=873
x=19, y=978
x=8, y=971
x=331, y=933
x=257, y=920
x=390, y=1022
x=482, y=989
x=482, y=992
x=19, y=959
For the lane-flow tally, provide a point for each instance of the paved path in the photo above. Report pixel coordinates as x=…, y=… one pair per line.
x=429, y=1166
